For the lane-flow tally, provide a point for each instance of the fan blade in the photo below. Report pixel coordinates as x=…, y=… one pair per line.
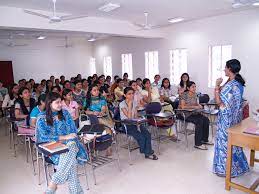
x=72, y=17
x=36, y=13
x=20, y=45
x=139, y=25
x=160, y=26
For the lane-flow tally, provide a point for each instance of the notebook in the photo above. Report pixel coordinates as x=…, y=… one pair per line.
x=54, y=147
x=253, y=131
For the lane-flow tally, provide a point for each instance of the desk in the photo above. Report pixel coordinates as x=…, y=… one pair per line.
x=236, y=137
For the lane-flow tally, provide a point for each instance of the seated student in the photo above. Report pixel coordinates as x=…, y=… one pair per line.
x=62, y=80
x=50, y=127
x=43, y=83
x=85, y=85
x=128, y=110
x=185, y=78
x=67, y=85
x=167, y=91
x=157, y=82
x=96, y=104
x=57, y=83
x=3, y=90
x=118, y=92
x=56, y=89
x=149, y=93
x=29, y=86
x=114, y=84
x=78, y=94
x=12, y=95
x=38, y=90
x=49, y=85
x=70, y=105
x=108, y=80
x=125, y=79
x=104, y=88
x=32, y=82
x=188, y=100
x=138, y=98
x=37, y=110
x=24, y=104
x=139, y=83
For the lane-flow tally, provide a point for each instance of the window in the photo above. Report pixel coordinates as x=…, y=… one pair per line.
x=126, y=60
x=92, y=66
x=178, y=64
x=107, y=66
x=218, y=55
x=151, y=64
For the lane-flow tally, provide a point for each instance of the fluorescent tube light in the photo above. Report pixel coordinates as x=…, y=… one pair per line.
x=175, y=20
x=109, y=7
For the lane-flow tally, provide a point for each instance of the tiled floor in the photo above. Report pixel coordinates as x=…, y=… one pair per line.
x=178, y=171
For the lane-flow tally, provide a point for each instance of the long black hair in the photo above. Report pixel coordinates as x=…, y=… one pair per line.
x=235, y=66
x=182, y=82
x=163, y=81
x=144, y=82
x=65, y=92
x=42, y=98
x=52, y=96
x=10, y=91
x=89, y=95
x=20, y=100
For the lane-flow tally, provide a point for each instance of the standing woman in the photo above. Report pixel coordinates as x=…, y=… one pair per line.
x=56, y=124
x=229, y=99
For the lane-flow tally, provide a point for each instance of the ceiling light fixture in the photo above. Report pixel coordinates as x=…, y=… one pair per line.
x=41, y=37
x=256, y=3
x=175, y=20
x=237, y=4
x=109, y=7
x=91, y=39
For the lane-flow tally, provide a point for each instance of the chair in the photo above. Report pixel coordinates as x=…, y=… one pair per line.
x=121, y=128
x=182, y=124
x=47, y=162
x=160, y=121
x=98, y=143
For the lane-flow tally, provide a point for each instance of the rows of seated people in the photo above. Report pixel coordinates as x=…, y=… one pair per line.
x=58, y=103
x=91, y=96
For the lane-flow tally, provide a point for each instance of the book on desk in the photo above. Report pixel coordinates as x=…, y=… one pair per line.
x=54, y=147
x=252, y=131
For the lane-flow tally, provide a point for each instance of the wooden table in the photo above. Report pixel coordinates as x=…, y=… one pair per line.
x=236, y=137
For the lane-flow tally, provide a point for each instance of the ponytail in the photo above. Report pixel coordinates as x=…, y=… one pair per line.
x=240, y=79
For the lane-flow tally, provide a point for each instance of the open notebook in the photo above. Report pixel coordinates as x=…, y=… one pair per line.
x=54, y=147
x=253, y=131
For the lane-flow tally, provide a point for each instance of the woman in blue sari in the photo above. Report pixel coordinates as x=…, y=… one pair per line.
x=56, y=124
x=229, y=99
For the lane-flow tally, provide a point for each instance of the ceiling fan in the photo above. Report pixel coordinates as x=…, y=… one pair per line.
x=66, y=45
x=146, y=25
x=11, y=43
x=54, y=18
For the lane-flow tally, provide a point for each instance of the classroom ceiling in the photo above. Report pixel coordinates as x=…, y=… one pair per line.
x=132, y=10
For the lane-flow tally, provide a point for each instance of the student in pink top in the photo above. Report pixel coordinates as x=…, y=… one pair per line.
x=70, y=105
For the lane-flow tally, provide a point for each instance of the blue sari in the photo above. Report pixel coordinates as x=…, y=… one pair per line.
x=230, y=114
x=46, y=133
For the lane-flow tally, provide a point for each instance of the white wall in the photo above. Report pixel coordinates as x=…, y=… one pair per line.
x=239, y=29
x=42, y=58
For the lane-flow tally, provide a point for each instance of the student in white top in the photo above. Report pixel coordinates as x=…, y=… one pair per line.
x=157, y=82
x=12, y=95
x=149, y=93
